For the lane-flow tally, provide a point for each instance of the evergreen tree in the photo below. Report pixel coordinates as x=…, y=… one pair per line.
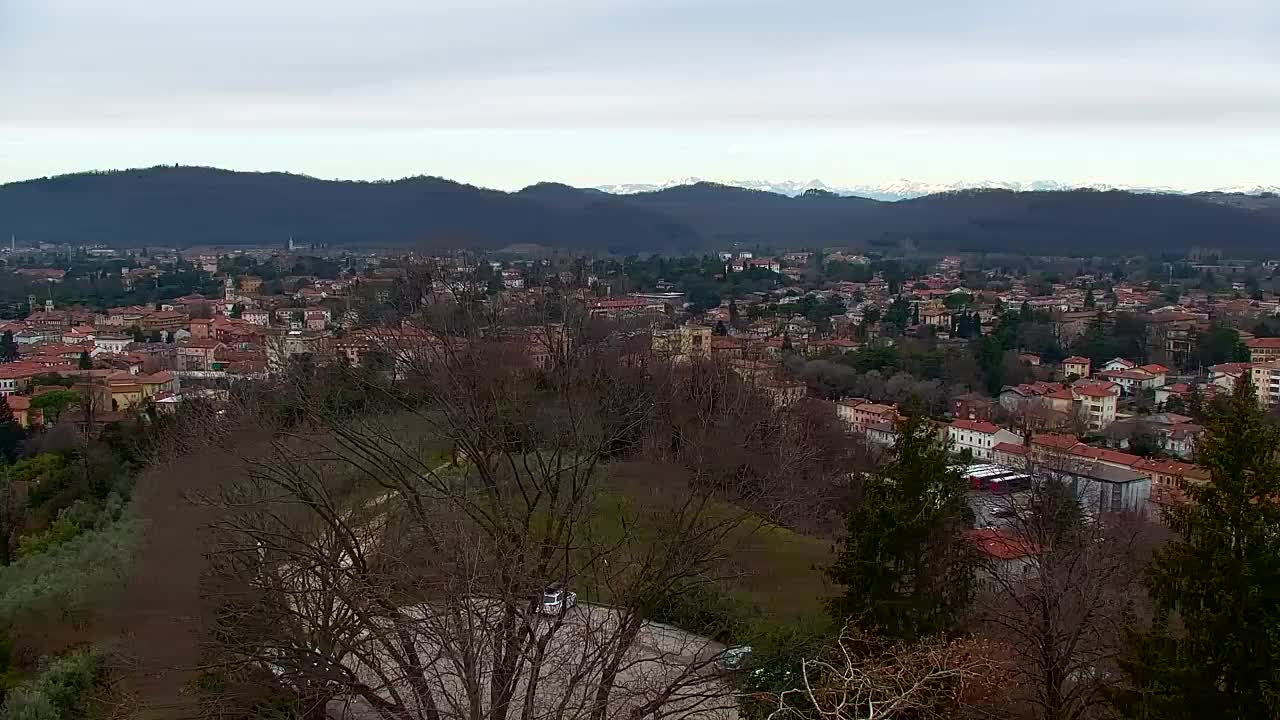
x=1194, y=402
x=905, y=570
x=1221, y=578
x=1090, y=301
x=734, y=316
x=8, y=348
x=237, y=310
x=12, y=435
x=86, y=362
x=720, y=329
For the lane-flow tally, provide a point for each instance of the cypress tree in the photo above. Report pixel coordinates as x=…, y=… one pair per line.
x=905, y=569
x=1214, y=648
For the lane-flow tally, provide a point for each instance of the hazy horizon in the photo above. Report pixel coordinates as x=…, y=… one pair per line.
x=655, y=181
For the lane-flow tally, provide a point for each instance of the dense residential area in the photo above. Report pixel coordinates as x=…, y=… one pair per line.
x=913, y=455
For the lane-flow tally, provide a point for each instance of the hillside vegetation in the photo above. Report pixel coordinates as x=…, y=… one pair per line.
x=184, y=206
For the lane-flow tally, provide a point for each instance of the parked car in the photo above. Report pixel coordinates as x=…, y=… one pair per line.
x=556, y=599
x=732, y=658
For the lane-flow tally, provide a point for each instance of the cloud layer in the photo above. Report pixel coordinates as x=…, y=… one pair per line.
x=392, y=64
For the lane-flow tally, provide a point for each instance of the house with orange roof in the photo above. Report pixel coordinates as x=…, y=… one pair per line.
x=1010, y=455
x=978, y=437
x=197, y=354
x=1106, y=456
x=858, y=413
x=16, y=377
x=1131, y=381
x=1051, y=447
x=164, y=321
x=1007, y=558
x=122, y=391
x=201, y=328
x=1096, y=402
x=1076, y=365
x=1157, y=371
x=20, y=406
x=59, y=352
x=726, y=347
x=1225, y=375
x=1173, y=473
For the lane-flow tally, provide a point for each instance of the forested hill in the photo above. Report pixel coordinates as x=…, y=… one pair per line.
x=183, y=206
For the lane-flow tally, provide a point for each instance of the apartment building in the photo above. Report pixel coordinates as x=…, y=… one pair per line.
x=1266, y=381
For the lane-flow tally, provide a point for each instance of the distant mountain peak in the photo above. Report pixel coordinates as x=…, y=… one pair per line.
x=904, y=189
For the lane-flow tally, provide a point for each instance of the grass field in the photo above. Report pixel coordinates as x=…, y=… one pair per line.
x=774, y=569
x=782, y=571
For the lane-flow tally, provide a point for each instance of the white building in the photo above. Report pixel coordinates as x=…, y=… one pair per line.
x=114, y=344
x=979, y=437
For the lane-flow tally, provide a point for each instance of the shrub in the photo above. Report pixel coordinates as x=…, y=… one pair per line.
x=58, y=692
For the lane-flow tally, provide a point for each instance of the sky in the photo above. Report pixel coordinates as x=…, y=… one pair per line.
x=503, y=93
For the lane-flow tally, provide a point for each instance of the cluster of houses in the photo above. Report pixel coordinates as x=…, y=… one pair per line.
x=124, y=357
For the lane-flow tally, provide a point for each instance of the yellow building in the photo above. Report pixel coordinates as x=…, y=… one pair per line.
x=123, y=391
x=684, y=342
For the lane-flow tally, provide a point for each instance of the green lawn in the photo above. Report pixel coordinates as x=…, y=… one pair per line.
x=770, y=567
x=782, y=571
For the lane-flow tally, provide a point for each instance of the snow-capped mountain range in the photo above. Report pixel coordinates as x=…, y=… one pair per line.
x=906, y=189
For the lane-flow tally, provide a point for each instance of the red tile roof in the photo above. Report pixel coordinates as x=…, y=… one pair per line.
x=1000, y=545
x=1230, y=368
x=1010, y=448
x=18, y=370
x=981, y=426
x=1154, y=369
x=1167, y=467
x=203, y=344
x=1095, y=390
x=1105, y=455
x=1125, y=374
x=1264, y=343
x=1054, y=440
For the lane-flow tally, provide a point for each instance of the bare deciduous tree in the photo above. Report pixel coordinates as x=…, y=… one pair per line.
x=1057, y=592
x=866, y=678
x=413, y=563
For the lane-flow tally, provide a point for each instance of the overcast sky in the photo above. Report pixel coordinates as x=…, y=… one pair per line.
x=505, y=92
